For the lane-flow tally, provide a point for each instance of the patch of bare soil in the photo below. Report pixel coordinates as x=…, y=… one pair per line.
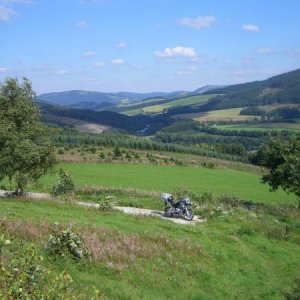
x=79, y=125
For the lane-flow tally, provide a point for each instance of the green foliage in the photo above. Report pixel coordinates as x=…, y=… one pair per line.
x=252, y=111
x=23, y=276
x=25, y=154
x=294, y=292
x=64, y=185
x=171, y=256
x=117, y=152
x=66, y=243
x=282, y=159
x=106, y=203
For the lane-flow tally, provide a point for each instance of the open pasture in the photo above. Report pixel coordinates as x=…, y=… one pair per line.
x=169, y=178
x=264, y=126
x=158, y=108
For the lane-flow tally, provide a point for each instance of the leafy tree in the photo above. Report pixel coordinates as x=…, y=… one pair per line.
x=282, y=159
x=64, y=185
x=25, y=154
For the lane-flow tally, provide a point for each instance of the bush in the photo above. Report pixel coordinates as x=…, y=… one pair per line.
x=105, y=204
x=22, y=275
x=64, y=185
x=61, y=151
x=294, y=292
x=64, y=243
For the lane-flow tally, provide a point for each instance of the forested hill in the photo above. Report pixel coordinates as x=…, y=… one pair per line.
x=283, y=88
x=140, y=124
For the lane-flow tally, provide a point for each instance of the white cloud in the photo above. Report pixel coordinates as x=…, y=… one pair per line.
x=6, y=13
x=3, y=70
x=117, y=61
x=99, y=64
x=6, y=10
x=184, y=72
x=89, y=79
x=82, y=24
x=176, y=52
x=89, y=54
x=264, y=50
x=121, y=46
x=61, y=72
x=250, y=27
x=198, y=23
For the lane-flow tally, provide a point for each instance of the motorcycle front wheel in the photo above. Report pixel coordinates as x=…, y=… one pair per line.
x=188, y=215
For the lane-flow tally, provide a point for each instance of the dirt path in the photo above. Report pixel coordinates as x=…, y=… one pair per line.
x=147, y=212
x=127, y=210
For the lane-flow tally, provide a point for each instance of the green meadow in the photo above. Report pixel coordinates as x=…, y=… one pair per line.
x=245, y=185
x=192, y=100
x=241, y=255
x=270, y=126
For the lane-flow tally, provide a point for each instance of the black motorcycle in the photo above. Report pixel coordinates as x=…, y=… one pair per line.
x=182, y=208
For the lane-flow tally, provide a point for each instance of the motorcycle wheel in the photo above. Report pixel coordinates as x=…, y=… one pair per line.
x=188, y=215
x=167, y=214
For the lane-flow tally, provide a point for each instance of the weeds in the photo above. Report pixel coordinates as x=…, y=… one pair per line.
x=23, y=276
x=66, y=243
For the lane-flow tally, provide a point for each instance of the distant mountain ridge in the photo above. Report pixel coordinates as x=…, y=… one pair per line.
x=282, y=89
x=100, y=100
x=91, y=98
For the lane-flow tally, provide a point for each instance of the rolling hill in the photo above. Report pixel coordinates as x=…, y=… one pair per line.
x=99, y=100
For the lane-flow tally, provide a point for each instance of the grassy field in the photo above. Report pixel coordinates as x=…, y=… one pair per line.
x=221, y=115
x=232, y=113
x=241, y=255
x=267, y=126
x=192, y=100
x=169, y=178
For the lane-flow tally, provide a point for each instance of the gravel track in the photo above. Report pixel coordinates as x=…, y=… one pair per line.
x=127, y=210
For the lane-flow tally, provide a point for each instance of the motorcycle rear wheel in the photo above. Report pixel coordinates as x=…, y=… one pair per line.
x=188, y=215
x=167, y=214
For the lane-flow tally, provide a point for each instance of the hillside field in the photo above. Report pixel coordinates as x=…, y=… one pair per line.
x=192, y=100
x=169, y=178
x=270, y=126
x=241, y=255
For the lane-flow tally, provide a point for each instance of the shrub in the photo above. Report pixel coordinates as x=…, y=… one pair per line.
x=22, y=275
x=61, y=151
x=105, y=204
x=64, y=243
x=64, y=185
x=294, y=292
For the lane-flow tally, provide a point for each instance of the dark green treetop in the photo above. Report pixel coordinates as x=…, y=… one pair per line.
x=282, y=159
x=25, y=155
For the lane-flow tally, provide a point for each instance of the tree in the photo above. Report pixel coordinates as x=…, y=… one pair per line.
x=25, y=154
x=282, y=159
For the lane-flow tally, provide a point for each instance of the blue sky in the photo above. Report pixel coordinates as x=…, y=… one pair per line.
x=143, y=46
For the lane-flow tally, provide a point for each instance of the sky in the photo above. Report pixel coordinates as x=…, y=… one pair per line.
x=146, y=45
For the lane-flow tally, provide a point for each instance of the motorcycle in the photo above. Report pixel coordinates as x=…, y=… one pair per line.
x=182, y=208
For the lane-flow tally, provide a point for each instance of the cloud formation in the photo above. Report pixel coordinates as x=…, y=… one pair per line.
x=3, y=70
x=82, y=24
x=6, y=13
x=198, y=23
x=264, y=50
x=178, y=51
x=89, y=54
x=61, y=72
x=121, y=46
x=6, y=10
x=117, y=61
x=251, y=27
x=99, y=64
